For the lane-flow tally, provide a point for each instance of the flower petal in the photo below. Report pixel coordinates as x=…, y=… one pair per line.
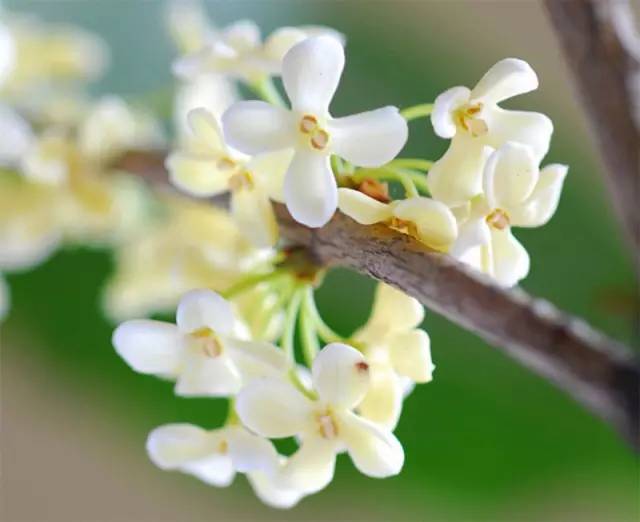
x=544, y=199
x=204, y=309
x=529, y=128
x=510, y=176
x=254, y=127
x=457, y=176
x=310, y=189
x=369, y=139
x=471, y=233
x=149, y=346
x=375, y=451
x=269, y=170
x=411, y=355
x=393, y=311
x=216, y=470
x=206, y=134
x=273, y=408
x=383, y=402
x=256, y=358
x=172, y=445
x=442, y=116
x=436, y=225
x=362, y=208
x=311, y=72
x=311, y=468
x=340, y=375
x=506, y=79
x=250, y=452
x=203, y=376
x=252, y=211
x=510, y=260
x=243, y=35
x=197, y=176
x=271, y=493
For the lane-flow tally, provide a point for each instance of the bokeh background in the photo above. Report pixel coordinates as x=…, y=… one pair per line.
x=485, y=441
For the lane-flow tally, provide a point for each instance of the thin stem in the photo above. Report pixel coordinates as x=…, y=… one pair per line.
x=411, y=163
x=295, y=380
x=418, y=178
x=249, y=282
x=417, y=111
x=410, y=190
x=324, y=331
x=310, y=344
x=266, y=90
x=289, y=330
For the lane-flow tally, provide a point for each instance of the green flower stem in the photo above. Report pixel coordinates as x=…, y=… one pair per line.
x=249, y=282
x=232, y=414
x=417, y=111
x=310, y=344
x=266, y=90
x=410, y=190
x=392, y=174
x=290, y=321
x=411, y=163
x=322, y=329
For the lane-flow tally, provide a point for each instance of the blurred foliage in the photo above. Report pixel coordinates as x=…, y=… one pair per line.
x=485, y=431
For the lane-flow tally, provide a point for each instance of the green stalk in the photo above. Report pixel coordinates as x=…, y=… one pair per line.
x=417, y=111
x=324, y=331
x=289, y=330
x=249, y=282
x=310, y=344
x=266, y=90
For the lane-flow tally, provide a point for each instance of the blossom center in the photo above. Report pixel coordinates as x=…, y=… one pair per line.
x=207, y=342
x=404, y=226
x=327, y=425
x=241, y=180
x=317, y=136
x=468, y=118
x=226, y=164
x=498, y=219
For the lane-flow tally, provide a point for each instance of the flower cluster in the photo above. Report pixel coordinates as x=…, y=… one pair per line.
x=247, y=327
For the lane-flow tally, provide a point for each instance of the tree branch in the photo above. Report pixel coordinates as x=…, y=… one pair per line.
x=600, y=373
x=602, y=49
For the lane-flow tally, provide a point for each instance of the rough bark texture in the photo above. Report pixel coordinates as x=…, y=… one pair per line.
x=606, y=69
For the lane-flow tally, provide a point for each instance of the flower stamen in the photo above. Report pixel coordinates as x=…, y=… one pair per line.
x=208, y=342
x=467, y=117
x=241, y=180
x=327, y=425
x=498, y=219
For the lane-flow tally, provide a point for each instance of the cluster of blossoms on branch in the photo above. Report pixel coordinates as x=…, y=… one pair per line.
x=247, y=328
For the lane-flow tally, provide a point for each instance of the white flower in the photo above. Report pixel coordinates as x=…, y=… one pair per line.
x=201, y=352
x=516, y=193
x=473, y=120
x=325, y=426
x=16, y=133
x=398, y=353
x=208, y=167
x=311, y=71
x=427, y=220
x=238, y=51
x=7, y=52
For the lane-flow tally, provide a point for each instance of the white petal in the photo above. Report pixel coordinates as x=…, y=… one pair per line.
x=543, y=202
x=369, y=139
x=383, y=402
x=269, y=170
x=472, y=233
x=311, y=72
x=204, y=309
x=510, y=176
x=311, y=468
x=375, y=451
x=510, y=259
x=206, y=132
x=442, y=116
x=252, y=211
x=250, y=452
x=149, y=346
x=281, y=41
x=172, y=445
x=411, y=355
x=254, y=127
x=216, y=470
x=393, y=311
x=255, y=358
x=529, y=128
x=457, y=176
x=340, y=375
x=271, y=493
x=310, y=189
x=243, y=35
x=436, y=225
x=16, y=133
x=273, y=408
x=203, y=376
x=362, y=208
x=507, y=78
x=197, y=176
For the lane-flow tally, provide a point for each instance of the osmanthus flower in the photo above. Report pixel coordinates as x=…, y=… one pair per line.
x=425, y=219
x=216, y=456
x=473, y=120
x=326, y=425
x=201, y=352
x=398, y=353
x=208, y=167
x=311, y=72
x=516, y=194
x=239, y=52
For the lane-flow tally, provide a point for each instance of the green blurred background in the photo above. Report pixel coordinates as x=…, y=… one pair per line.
x=486, y=440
